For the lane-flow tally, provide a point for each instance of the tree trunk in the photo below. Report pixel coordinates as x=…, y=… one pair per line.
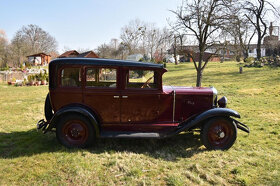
x=198, y=78
x=259, y=48
x=175, y=50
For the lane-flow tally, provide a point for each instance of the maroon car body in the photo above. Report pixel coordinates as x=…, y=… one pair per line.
x=91, y=98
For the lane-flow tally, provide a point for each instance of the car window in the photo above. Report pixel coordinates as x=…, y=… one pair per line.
x=71, y=77
x=101, y=77
x=141, y=79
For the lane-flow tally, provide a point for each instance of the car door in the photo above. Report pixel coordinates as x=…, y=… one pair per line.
x=102, y=94
x=140, y=97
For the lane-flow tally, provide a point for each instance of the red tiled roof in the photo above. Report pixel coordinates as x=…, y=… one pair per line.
x=74, y=53
x=89, y=54
x=39, y=54
x=69, y=53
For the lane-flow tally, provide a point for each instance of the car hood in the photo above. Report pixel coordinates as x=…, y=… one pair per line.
x=188, y=90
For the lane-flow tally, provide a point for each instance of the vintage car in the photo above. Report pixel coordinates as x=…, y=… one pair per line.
x=102, y=98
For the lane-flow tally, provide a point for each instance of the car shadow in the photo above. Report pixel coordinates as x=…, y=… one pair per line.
x=29, y=143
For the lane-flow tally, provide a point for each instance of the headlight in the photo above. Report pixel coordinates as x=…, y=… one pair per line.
x=222, y=102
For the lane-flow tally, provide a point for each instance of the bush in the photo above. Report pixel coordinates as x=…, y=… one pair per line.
x=249, y=60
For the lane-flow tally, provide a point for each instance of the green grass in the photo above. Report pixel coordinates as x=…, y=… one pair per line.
x=29, y=157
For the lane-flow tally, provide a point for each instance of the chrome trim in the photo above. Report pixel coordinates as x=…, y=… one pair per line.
x=215, y=93
x=174, y=104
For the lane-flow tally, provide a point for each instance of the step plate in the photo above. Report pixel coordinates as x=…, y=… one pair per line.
x=129, y=135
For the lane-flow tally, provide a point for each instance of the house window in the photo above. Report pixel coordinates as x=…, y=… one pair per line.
x=141, y=79
x=71, y=77
x=101, y=77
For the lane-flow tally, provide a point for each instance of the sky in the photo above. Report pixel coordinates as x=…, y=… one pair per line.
x=83, y=24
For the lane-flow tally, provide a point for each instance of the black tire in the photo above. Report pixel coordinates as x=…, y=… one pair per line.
x=219, y=133
x=75, y=131
x=48, y=108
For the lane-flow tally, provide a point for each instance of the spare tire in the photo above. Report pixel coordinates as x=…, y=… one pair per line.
x=48, y=108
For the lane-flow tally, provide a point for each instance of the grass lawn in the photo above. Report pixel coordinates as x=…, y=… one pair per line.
x=28, y=157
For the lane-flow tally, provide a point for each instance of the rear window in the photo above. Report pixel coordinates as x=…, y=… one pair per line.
x=71, y=77
x=101, y=77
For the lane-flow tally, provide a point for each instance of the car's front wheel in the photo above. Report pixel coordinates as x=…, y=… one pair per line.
x=219, y=133
x=75, y=131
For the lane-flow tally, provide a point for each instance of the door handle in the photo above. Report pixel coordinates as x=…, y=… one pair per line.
x=116, y=97
x=124, y=96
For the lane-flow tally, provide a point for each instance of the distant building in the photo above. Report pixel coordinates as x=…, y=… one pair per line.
x=74, y=53
x=252, y=52
x=217, y=52
x=70, y=53
x=89, y=54
x=271, y=42
x=39, y=59
x=228, y=51
x=134, y=57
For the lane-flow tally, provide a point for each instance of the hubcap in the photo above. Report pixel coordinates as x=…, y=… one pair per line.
x=220, y=133
x=75, y=132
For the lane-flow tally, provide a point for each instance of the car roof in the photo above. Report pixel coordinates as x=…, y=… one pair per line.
x=103, y=62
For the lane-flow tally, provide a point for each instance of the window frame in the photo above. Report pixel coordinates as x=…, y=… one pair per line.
x=156, y=79
x=97, y=77
x=59, y=79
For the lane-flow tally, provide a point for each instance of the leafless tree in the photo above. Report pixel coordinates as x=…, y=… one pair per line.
x=155, y=39
x=3, y=48
x=37, y=39
x=203, y=19
x=131, y=35
x=104, y=51
x=256, y=13
x=237, y=30
x=31, y=39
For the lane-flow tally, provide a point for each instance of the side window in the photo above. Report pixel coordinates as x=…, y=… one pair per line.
x=71, y=77
x=101, y=77
x=141, y=79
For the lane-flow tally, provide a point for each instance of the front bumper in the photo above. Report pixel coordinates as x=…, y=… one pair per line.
x=241, y=126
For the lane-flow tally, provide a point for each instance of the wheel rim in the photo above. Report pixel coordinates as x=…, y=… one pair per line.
x=75, y=132
x=219, y=134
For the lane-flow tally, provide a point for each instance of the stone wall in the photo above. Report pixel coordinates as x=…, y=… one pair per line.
x=8, y=76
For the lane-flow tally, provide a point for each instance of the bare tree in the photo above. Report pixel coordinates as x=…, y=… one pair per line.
x=31, y=39
x=203, y=19
x=3, y=48
x=37, y=39
x=256, y=12
x=155, y=39
x=104, y=51
x=131, y=35
x=238, y=30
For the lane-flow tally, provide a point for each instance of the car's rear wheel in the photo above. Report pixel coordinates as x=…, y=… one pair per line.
x=75, y=131
x=219, y=134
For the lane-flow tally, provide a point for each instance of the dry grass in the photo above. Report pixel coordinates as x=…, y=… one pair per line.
x=28, y=157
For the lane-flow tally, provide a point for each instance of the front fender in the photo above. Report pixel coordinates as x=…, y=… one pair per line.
x=196, y=120
x=73, y=109
x=217, y=112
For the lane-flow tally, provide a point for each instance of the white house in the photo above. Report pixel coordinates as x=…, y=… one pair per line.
x=134, y=57
x=253, y=52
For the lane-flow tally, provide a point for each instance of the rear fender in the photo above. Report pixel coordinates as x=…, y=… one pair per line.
x=70, y=110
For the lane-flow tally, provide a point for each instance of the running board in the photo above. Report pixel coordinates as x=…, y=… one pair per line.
x=121, y=134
